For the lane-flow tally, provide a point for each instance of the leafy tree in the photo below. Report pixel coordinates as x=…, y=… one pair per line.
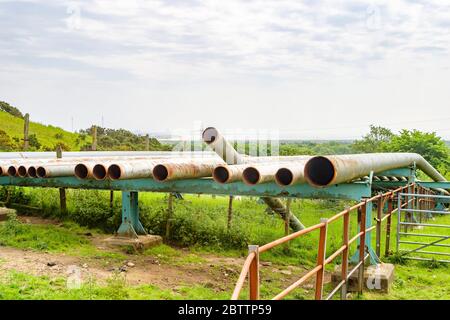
x=6, y=143
x=429, y=145
x=377, y=140
x=4, y=106
x=34, y=142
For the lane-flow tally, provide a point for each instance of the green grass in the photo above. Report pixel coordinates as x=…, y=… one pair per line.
x=21, y=286
x=47, y=135
x=66, y=239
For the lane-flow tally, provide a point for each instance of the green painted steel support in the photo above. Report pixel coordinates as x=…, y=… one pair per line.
x=131, y=225
x=346, y=191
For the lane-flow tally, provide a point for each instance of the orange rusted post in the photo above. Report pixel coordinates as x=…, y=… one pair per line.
x=388, y=225
x=344, y=266
x=321, y=255
x=362, y=246
x=378, y=230
x=253, y=273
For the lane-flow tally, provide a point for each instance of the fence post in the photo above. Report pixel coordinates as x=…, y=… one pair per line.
x=62, y=191
x=230, y=213
x=321, y=256
x=378, y=234
x=26, y=128
x=253, y=275
x=362, y=247
x=94, y=138
x=399, y=220
x=388, y=225
x=287, y=218
x=344, y=266
x=111, y=201
x=169, y=214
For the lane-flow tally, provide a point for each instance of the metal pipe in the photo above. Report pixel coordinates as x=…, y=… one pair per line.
x=328, y=170
x=32, y=172
x=227, y=174
x=256, y=174
x=210, y=135
x=3, y=170
x=12, y=171
x=184, y=170
x=55, y=170
x=131, y=170
x=22, y=171
x=104, y=154
x=221, y=146
x=291, y=173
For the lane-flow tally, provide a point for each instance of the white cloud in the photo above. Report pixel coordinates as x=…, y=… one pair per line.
x=224, y=46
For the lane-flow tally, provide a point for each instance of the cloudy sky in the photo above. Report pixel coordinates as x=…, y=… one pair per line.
x=309, y=69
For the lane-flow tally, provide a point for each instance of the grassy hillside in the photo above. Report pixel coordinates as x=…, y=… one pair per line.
x=48, y=136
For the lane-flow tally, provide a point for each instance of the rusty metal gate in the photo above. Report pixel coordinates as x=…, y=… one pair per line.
x=423, y=227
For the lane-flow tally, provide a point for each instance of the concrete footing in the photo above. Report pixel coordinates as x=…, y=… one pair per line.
x=4, y=213
x=376, y=277
x=140, y=243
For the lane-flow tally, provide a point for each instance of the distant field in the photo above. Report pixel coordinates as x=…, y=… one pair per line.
x=47, y=135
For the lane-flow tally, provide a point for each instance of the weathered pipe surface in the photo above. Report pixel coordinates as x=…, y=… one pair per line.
x=227, y=174
x=56, y=170
x=181, y=170
x=220, y=145
x=291, y=173
x=12, y=171
x=261, y=173
x=277, y=206
x=3, y=170
x=131, y=170
x=324, y=171
x=209, y=136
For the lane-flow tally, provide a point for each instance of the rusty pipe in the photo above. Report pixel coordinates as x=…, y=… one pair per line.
x=12, y=171
x=55, y=170
x=256, y=174
x=291, y=173
x=324, y=171
x=131, y=170
x=184, y=170
x=227, y=174
x=221, y=146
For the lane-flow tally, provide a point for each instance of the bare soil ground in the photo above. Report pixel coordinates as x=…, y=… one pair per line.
x=210, y=270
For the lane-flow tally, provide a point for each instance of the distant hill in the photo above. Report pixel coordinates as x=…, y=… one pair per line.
x=42, y=137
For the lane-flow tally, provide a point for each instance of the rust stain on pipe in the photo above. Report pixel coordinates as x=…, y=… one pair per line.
x=189, y=170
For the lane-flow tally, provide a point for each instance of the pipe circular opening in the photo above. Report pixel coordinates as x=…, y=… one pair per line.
x=12, y=171
x=22, y=171
x=99, y=172
x=41, y=172
x=284, y=177
x=1, y=171
x=81, y=171
x=251, y=175
x=210, y=135
x=221, y=174
x=319, y=171
x=32, y=172
x=114, y=172
x=160, y=172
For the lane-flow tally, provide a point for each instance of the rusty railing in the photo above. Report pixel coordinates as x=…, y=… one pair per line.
x=251, y=264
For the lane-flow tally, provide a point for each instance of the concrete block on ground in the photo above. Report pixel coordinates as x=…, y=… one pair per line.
x=376, y=277
x=139, y=244
x=4, y=213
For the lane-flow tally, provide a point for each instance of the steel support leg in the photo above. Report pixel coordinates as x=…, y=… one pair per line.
x=131, y=226
x=374, y=259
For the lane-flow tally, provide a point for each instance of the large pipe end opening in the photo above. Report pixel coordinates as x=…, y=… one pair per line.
x=114, y=172
x=12, y=171
x=210, y=135
x=99, y=172
x=32, y=172
x=251, y=176
x=319, y=171
x=41, y=172
x=160, y=172
x=221, y=174
x=284, y=177
x=81, y=171
x=22, y=171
